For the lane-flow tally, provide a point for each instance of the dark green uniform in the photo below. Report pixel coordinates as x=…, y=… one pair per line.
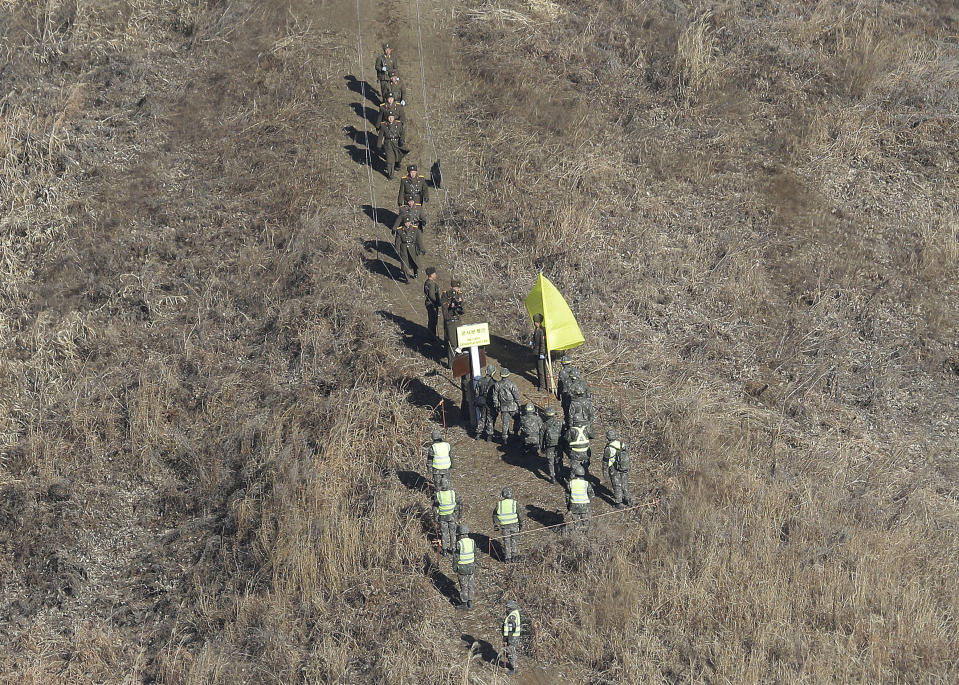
x=539, y=349
x=413, y=188
x=406, y=249
x=396, y=89
x=385, y=68
x=392, y=141
x=431, y=294
x=452, y=311
x=416, y=216
x=388, y=108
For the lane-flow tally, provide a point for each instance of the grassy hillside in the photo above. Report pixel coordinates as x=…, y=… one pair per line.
x=204, y=421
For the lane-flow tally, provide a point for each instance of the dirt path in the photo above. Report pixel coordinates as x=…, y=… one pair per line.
x=482, y=468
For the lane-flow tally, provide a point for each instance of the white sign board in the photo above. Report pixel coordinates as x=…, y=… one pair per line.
x=475, y=334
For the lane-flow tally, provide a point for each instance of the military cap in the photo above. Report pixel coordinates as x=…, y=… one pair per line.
x=386, y=46
x=411, y=167
x=430, y=271
x=538, y=318
x=504, y=372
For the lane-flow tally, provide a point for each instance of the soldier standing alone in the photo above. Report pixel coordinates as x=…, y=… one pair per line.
x=616, y=458
x=538, y=343
x=577, y=500
x=413, y=186
x=385, y=67
x=431, y=294
x=465, y=566
x=452, y=311
x=512, y=631
x=392, y=142
x=508, y=518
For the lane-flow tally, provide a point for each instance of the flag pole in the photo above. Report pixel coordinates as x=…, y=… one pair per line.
x=549, y=371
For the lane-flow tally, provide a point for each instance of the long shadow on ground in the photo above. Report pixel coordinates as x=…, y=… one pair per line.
x=378, y=267
x=382, y=215
x=444, y=585
x=487, y=545
x=368, y=113
x=359, y=87
x=415, y=481
x=543, y=516
x=358, y=155
x=484, y=648
x=514, y=455
x=417, y=338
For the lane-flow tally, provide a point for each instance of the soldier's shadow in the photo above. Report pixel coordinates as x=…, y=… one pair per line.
x=484, y=648
x=360, y=156
x=416, y=337
x=378, y=267
x=513, y=454
x=381, y=215
x=364, y=138
x=488, y=545
x=543, y=516
x=443, y=583
x=361, y=87
x=368, y=113
x=415, y=481
x=513, y=356
x=422, y=395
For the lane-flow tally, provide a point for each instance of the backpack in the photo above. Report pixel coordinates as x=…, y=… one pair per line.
x=530, y=424
x=505, y=396
x=484, y=390
x=580, y=411
x=553, y=430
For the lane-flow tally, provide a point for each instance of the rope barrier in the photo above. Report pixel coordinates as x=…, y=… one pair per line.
x=369, y=158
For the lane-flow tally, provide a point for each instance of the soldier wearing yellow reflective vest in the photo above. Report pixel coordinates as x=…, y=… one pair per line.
x=512, y=632
x=577, y=445
x=578, y=499
x=464, y=563
x=616, y=459
x=448, y=510
x=439, y=460
x=508, y=518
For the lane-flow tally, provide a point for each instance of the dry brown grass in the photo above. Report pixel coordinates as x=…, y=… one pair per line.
x=752, y=213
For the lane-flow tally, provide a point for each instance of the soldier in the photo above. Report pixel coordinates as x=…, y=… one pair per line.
x=385, y=68
x=531, y=430
x=465, y=566
x=392, y=143
x=448, y=511
x=508, y=518
x=512, y=631
x=413, y=186
x=390, y=106
x=431, y=294
x=396, y=89
x=484, y=399
x=563, y=378
x=439, y=460
x=538, y=343
x=577, y=441
x=577, y=500
x=552, y=431
x=506, y=401
x=452, y=311
x=415, y=213
x=405, y=245
x=616, y=458
x=579, y=408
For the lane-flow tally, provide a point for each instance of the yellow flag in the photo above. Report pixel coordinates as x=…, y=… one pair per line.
x=562, y=331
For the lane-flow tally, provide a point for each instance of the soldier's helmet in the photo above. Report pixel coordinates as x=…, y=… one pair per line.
x=462, y=530
x=550, y=411
x=578, y=470
x=508, y=492
x=612, y=435
x=530, y=408
x=504, y=372
x=490, y=370
x=512, y=604
x=436, y=435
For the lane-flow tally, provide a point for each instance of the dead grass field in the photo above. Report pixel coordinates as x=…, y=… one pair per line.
x=752, y=207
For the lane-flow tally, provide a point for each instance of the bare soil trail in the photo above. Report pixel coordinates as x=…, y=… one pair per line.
x=482, y=468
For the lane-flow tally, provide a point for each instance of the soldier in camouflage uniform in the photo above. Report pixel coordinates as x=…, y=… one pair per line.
x=616, y=458
x=464, y=563
x=385, y=67
x=552, y=432
x=484, y=398
x=531, y=430
x=392, y=142
x=406, y=249
x=563, y=377
x=439, y=460
x=448, y=510
x=506, y=400
x=508, y=518
x=413, y=186
x=512, y=632
x=579, y=492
